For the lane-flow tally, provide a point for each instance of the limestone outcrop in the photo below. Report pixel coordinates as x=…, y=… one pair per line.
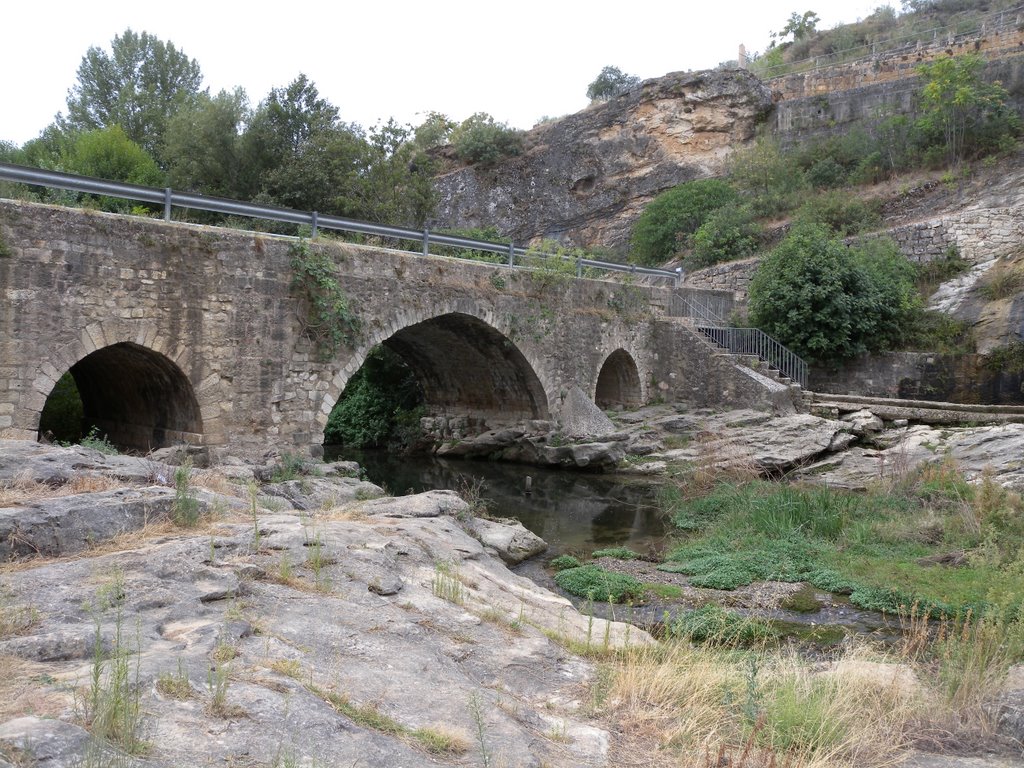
x=585, y=178
x=379, y=632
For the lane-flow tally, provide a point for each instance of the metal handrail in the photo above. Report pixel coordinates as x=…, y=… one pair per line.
x=740, y=341
x=316, y=221
x=754, y=341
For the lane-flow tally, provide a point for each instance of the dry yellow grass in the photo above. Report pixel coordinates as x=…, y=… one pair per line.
x=19, y=695
x=677, y=705
x=24, y=489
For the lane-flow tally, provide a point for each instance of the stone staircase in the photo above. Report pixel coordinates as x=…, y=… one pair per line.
x=800, y=397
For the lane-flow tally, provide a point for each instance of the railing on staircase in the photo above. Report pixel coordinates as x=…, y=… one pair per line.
x=739, y=341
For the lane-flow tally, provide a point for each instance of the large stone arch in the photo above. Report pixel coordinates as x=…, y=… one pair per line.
x=464, y=359
x=133, y=380
x=618, y=382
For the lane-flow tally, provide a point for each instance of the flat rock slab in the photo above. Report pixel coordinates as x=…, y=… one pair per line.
x=68, y=524
x=408, y=617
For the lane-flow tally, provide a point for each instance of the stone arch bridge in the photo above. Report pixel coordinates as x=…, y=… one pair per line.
x=178, y=332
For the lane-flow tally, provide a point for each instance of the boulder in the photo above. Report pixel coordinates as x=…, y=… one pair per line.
x=581, y=418
x=429, y=504
x=66, y=524
x=509, y=538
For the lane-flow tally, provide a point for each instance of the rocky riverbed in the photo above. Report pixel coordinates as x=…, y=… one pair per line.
x=306, y=620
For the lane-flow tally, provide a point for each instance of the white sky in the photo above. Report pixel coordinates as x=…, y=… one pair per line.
x=518, y=60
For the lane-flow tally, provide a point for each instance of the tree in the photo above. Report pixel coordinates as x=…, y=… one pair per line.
x=610, y=83
x=769, y=177
x=107, y=153
x=799, y=26
x=394, y=181
x=729, y=233
x=828, y=302
x=960, y=111
x=669, y=220
x=435, y=131
x=137, y=86
x=203, y=144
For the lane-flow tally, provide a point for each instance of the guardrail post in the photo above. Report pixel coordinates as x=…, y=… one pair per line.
x=314, y=219
x=426, y=242
x=679, y=276
x=511, y=255
x=579, y=267
x=167, y=203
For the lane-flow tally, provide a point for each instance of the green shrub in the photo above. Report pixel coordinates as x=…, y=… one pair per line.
x=63, y=411
x=618, y=553
x=594, y=583
x=840, y=211
x=380, y=404
x=828, y=302
x=770, y=179
x=730, y=233
x=564, y=562
x=713, y=624
x=668, y=221
x=480, y=140
x=826, y=173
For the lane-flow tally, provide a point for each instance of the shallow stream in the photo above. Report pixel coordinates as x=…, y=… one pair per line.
x=577, y=512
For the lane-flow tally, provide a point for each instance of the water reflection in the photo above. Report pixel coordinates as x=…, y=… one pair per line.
x=572, y=511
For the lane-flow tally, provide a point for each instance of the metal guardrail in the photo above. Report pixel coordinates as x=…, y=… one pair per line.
x=754, y=341
x=169, y=199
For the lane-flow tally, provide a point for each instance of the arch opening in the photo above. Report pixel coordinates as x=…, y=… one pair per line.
x=461, y=366
x=135, y=397
x=618, y=383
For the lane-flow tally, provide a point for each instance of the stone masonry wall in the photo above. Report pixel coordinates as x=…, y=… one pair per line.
x=219, y=304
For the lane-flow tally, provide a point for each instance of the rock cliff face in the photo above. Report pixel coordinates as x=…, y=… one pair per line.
x=585, y=178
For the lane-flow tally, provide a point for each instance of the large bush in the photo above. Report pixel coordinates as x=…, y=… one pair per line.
x=730, y=233
x=828, y=302
x=379, y=401
x=482, y=141
x=671, y=219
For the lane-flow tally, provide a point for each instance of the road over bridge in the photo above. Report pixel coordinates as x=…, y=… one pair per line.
x=180, y=332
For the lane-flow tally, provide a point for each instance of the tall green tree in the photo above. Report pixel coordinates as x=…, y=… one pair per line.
x=138, y=86
x=203, y=145
x=961, y=111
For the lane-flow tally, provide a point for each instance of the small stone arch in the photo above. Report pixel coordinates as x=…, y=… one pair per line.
x=618, y=382
x=139, y=399
x=144, y=366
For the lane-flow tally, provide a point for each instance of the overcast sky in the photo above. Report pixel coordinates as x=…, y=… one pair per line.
x=519, y=60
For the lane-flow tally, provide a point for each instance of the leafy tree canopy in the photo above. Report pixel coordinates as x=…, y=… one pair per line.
x=962, y=112
x=138, y=86
x=610, y=83
x=828, y=302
